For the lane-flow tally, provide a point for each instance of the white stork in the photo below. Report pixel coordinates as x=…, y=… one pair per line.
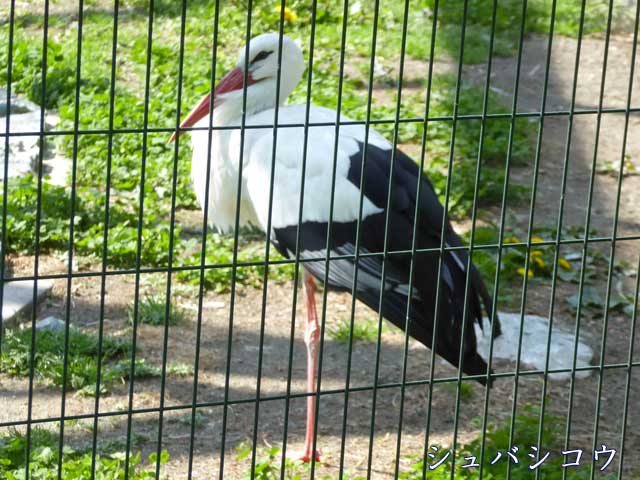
x=262, y=65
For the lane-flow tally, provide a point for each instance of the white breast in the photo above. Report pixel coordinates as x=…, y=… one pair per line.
x=319, y=165
x=258, y=158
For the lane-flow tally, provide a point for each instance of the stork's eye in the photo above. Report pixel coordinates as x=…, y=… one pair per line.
x=261, y=56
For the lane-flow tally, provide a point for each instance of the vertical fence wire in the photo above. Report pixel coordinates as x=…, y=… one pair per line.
x=356, y=257
x=36, y=261
x=474, y=217
x=407, y=324
x=236, y=233
x=172, y=222
x=5, y=183
x=136, y=295
x=612, y=251
x=267, y=244
x=105, y=238
x=203, y=241
x=423, y=148
x=585, y=246
x=530, y=226
x=296, y=260
x=72, y=213
x=586, y=231
x=385, y=255
x=503, y=207
x=327, y=264
x=525, y=280
x=443, y=230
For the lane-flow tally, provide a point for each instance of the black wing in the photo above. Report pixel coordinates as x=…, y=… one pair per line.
x=397, y=292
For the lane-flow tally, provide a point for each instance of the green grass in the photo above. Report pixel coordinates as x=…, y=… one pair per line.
x=267, y=465
x=121, y=371
x=526, y=427
x=152, y=310
x=466, y=390
x=363, y=330
x=219, y=252
x=187, y=420
x=49, y=355
x=126, y=161
x=76, y=464
x=82, y=365
x=496, y=138
x=509, y=20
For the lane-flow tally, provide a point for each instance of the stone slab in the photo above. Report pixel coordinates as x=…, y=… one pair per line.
x=24, y=150
x=18, y=297
x=51, y=323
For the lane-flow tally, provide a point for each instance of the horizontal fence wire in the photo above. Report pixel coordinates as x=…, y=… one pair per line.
x=286, y=261
x=380, y=386
x=318, y=397
x=269, y=126
x=588, y=368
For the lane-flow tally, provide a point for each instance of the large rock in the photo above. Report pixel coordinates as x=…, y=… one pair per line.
x=18, y=298
x=24, y=150
x=534, y=344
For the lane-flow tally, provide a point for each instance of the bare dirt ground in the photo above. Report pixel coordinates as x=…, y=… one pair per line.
x=245, y=341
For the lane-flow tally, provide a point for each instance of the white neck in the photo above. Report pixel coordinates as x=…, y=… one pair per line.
x=260, y=97
x=224, y=165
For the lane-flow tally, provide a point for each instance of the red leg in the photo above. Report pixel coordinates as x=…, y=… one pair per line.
x=312, y=340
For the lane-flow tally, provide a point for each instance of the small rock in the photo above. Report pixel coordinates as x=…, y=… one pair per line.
x=194, y=307
x=57, y=168
x=51, y=323
x=18, y=105
x=214, y=305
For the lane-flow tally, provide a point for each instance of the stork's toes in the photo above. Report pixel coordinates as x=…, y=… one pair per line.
x=304, y=456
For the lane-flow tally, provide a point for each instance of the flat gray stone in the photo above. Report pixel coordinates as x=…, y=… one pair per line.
x=24, y=150
x=51, y=323
x=18, y=297
x=18, y=105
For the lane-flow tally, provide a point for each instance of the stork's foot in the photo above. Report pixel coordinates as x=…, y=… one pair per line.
x=304, y=456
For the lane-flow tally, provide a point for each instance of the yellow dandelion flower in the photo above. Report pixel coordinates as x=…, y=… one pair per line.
x=537, y=239
x=512, y=240
x=538, y=261
x=529, y=272
x=536, y=253
x=564, y=263
x=289, y=15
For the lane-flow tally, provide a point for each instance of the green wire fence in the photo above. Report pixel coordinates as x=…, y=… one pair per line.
x=127, y=220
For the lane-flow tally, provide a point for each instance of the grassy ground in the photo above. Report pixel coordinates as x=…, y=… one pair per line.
x=76, y=464
x=82, y=354
x=496, y=440
x=124, y=151
x=127, y=153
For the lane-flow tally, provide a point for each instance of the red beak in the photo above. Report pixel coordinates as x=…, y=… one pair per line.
x=234, y=80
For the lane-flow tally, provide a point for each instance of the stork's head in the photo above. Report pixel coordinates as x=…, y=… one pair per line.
x=262, y=79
